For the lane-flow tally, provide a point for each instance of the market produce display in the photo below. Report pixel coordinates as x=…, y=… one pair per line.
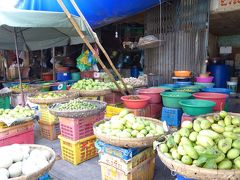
x=26, y=88
x=136, y=82
x=126, y=125
x=75, y=104
x=89, y=84
x=113, y=86
x=18, y=114
x=24, y=160
x=211, y=142
x=50, y=95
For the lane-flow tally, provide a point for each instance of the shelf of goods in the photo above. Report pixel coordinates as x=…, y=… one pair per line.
x=76, y=118
x=26, y=161
x=208, y=147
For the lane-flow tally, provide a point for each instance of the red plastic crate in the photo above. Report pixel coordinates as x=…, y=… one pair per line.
x=15, y=130
x=77, y=128
x=49, y=131
x=113, y=98
x=24, y=138
x=141, y=112
x=155, y=110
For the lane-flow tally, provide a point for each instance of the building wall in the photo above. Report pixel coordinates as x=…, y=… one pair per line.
x=182, y=29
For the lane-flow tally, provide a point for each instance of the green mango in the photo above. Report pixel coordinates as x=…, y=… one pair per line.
x=205, y=124
x=168, y=155
x=163, y=148
x=228, y=120
x=209, y=133
x=220, y=157
x=190, y=151
x=185, y=140
x=176, y=155
x=186, y=160
x=200, y=161
x=223, y=114
x=184, y=132
x=225, y=144
x=181, y=151
x=225, y=164
x=236, y=144
x=233, y=153
x=170, y=142
x=231, y=135
x=221, y=123
x=236, y=130
x=210, y=164
x=210, y=119
x=237, y=162
x=193, y=136
x=236, y=120
x=204, y=141
x=217, y=117
x=199, y=149
x=177, y=138
x=196, y=127
x=217, y=128
x=172, y=149
x=229, y=128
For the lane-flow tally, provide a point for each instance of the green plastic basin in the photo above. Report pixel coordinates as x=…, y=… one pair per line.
x=171, y=99
x=196, y=107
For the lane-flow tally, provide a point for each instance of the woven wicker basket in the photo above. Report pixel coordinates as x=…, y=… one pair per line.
x=127, y=142
x=93, y=93
x=100, y=107
x=69, y=95
x=30, y=90
x=196, y=172
x=41, y=172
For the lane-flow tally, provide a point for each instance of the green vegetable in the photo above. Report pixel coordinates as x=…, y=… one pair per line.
x=190, y=151
x=181, y=151
x=225, y=144
x=229, y=128
x=237, y=162
x=199, y=149
x=220, y=157
x=184, y=132
x=170, y=142
x=204, y=141
x=177, y=138
x=187, y=124
x=209, y=133
x=200, y=161
x=233, y=153
x=223, y=114
x=231, y=135
x=163, y=148
x=228, y=120
x=221, y=123
x=225, y=164
x=168, y=155
x=236, y=130
x=217, y=117
x=236, y=121
x=123, y=113
x=210, y=119
x=196, y=126
x=210, y=164
x=217, y=128
x=186, y=160
x=236, y=144
x=185, y=140
x=205, y=124
x=193, y=136
x=176, y=155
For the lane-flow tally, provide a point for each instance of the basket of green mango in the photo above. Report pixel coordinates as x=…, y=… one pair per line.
x=207, y=148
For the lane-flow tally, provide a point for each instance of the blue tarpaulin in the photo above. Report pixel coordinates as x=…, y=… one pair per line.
x=97, y=12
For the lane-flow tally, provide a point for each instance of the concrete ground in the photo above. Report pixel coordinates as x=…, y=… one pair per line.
x=90, y=170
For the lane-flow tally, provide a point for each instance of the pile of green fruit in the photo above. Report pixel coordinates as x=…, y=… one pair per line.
x=212, y=142
x=113, y=86
x=18, y=87
x=50, y=95
x=18, y=113
x=126, y=125
x=76, y=104
x=89, y=84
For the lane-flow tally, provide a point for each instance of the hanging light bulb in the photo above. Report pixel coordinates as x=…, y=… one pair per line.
x=116, y=34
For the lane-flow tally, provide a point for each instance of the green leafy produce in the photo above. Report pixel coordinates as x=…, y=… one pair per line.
x=126, y=125
x=89, y=84
x=50, y=95
x=211, y=142
x=76, y=104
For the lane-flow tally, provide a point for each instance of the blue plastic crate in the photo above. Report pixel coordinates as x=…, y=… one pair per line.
x=63, y=76
x=172, y=116
x=44, y=177
x=124, y=153
x=179, y=177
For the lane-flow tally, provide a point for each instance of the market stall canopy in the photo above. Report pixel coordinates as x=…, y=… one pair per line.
x=38, y=29
x=97, y=12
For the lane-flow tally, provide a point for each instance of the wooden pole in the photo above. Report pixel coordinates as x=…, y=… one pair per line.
x=53, y=57
x=99, y=44
x=75, y=25
x=18, y=66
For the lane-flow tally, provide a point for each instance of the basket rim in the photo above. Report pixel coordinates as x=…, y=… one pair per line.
x=92, y=93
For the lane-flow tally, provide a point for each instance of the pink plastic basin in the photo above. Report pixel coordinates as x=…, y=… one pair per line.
x=135, y=104
x=153, y=93
x=204, y=79
x=218, y=98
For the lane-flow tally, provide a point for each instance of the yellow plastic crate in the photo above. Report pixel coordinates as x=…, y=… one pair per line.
x=79, y=151
x=46, y=116
x=144, y=171
x=112, y=111
x=123, y=165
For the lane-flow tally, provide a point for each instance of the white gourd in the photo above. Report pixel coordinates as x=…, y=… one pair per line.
x=5, y=160
x=3, y=177
x=29, y=167
x=15, y=169
x=4, y=171
x=47, y=154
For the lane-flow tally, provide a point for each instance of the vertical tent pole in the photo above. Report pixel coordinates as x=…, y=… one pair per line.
x=53, y=56
x=19, y=72
x=99, y=44
x=75, y=25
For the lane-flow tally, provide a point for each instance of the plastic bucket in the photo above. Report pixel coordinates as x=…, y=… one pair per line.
x=204, y=79
x=217, y=90
x=218, y=98
x=75, y=76
x=153, y=93
x=168, y=86
x=171, y=99
x=183, y=83
x=207, y=85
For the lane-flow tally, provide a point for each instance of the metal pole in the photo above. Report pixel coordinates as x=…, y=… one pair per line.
x=18, y=65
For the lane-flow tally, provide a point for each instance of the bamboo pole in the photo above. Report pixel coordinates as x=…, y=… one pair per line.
x=99, y=44
x=54, y=70
x=75, y=25
x=18, y=66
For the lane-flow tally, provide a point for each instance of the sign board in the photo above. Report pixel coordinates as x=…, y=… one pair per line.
x=225, y=50
x=224, y=5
